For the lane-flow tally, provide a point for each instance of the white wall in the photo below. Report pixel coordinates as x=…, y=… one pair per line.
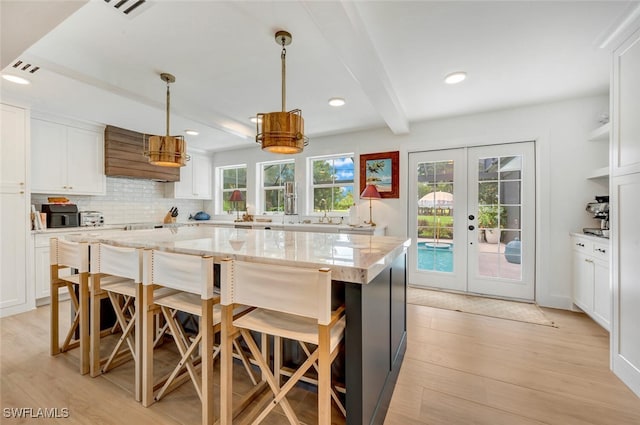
x=564, y=158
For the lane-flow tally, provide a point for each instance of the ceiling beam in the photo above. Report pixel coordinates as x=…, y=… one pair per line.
x=342, y=27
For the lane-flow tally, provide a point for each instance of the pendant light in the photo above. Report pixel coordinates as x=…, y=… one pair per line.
x=281, y=132
x=166, y=151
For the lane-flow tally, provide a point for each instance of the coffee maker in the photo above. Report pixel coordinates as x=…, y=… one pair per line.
x=600, y=211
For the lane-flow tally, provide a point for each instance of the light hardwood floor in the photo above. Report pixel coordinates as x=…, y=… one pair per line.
x=459, y=369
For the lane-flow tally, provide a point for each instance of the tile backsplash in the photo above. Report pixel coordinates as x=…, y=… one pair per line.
x=130, y=201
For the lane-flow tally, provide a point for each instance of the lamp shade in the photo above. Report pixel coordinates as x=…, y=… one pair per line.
x=236, y=196
x=370, y=192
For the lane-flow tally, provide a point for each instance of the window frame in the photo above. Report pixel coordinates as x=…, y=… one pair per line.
x=221, y=190
x=311, y=186
x=262, y=188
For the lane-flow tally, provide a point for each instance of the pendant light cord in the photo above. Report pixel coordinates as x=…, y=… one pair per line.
x=283, y=56
x=168, y=106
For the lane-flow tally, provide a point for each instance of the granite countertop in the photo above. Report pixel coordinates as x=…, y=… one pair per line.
x=351, y=258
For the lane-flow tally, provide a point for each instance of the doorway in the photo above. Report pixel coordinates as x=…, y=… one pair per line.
x=472, y=220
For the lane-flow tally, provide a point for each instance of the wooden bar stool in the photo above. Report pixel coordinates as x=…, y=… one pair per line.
x=292, y=303
x=116, y=273
x=75, y=256
x=192, y=276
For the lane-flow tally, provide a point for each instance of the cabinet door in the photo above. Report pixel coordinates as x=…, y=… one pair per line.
x=626, y=104
x=48, y=157
x=85, y=162
x=14, y=213
x=601, y=294
x=201, y=177
x=583, y=282
x=183, y=189
x=42, y=272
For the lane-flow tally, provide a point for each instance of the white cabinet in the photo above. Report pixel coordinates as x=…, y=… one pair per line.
x=591, y=287
x=625, y=204
x=195, y=179
x=66, y=159
x=15, y=295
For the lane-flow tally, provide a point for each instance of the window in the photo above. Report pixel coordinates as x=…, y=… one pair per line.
x=332, y=182
x=274, y=176
x=232, y=178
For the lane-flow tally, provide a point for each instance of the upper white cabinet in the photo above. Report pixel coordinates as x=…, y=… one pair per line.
x=66, y=159
x=195, y=179
x=15, y=295
x=625, y=107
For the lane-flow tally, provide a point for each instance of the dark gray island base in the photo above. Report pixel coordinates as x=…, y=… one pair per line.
x=375, y=342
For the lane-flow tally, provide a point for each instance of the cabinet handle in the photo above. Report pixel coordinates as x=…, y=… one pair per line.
x=588, y=260
x=580, y=244
x=21, y=192
x=601, y=250
x=21, y=183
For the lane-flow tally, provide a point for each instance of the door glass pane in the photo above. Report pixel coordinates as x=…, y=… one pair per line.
x=435, y=205
x=499, y=217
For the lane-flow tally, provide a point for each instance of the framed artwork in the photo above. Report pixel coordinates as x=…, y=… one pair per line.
x=381, y=169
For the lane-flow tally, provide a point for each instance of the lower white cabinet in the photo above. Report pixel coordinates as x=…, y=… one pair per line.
x=591, y=283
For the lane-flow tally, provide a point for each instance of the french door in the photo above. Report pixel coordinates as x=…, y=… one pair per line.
x=472, y=220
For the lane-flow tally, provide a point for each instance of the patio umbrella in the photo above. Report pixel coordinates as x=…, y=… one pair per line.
x=436, y=200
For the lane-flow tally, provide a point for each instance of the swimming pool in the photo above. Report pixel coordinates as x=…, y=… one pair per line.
x=435, y=257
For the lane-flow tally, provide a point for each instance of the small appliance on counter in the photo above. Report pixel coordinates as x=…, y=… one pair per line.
x=91, y=219
x=61, y=215
x=600, y=211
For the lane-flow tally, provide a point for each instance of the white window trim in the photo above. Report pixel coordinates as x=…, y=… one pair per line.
x=220, y=190
x=311, y=186
x=261, y=188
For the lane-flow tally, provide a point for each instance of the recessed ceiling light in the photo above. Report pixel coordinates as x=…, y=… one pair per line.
x=255, y=119
x=15, y=79
x=455, y=77
x=336, y=101
x=191, y=132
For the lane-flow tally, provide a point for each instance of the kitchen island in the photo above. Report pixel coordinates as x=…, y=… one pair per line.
x=368, y=274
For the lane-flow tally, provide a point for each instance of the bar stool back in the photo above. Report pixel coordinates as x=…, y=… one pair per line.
x=292, y=303
x=116, y=273
x=75, y=256
x=192, y=276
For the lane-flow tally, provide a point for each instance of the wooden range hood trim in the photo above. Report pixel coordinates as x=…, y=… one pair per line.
x=123, y=157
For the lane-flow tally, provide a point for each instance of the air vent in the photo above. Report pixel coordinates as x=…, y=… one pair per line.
x=127, y=7
x=24, y=66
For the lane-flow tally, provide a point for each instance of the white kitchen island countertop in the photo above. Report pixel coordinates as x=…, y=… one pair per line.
x=352, y=258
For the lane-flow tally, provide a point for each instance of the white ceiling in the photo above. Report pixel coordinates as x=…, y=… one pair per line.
x=386, y=58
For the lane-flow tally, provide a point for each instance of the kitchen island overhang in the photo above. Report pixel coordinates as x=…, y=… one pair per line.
x=371, y=270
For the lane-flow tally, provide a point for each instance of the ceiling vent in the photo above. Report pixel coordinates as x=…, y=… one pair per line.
x=25, y=67
x=129, y=8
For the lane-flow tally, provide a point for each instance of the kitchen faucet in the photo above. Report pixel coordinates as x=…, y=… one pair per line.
x=323, y=204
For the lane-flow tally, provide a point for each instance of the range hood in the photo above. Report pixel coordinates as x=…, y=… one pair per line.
x=123, y=157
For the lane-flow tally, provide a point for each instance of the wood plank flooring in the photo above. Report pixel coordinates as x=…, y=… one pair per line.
x=459, y=369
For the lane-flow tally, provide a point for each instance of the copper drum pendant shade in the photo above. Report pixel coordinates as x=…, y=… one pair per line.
x=166, y=151
x=282, y=132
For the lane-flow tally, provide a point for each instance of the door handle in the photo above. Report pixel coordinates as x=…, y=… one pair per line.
x=471, y=227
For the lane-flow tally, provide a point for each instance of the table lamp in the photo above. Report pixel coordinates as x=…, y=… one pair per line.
x=370, y=192
x=236, y=196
